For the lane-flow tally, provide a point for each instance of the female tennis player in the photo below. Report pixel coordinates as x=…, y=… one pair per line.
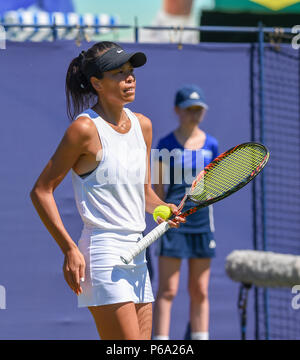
x=107, y=149
x=195, y=239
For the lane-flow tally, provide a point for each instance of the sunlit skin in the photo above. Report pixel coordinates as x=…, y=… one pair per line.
x=115, y=90
x=118, y=84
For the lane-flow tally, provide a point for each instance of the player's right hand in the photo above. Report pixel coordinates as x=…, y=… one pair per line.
x=74, y=269
x=175, y=222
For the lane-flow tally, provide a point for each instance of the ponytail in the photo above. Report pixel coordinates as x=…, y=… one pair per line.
x=79, y=91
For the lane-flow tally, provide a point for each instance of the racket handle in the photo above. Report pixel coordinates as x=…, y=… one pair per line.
x=147, y=240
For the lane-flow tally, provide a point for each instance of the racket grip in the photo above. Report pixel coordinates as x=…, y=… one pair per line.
x=147, y=240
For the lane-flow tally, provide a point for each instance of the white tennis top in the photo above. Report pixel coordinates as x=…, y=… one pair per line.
x=112, y=197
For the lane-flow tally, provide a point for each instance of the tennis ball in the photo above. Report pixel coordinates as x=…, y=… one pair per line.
x=162, y=211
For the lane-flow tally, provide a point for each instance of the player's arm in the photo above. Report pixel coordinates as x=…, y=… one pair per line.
x=67, y=153
x=72, y=145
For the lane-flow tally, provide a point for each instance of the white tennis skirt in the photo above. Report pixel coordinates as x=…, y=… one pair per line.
x=107, y=279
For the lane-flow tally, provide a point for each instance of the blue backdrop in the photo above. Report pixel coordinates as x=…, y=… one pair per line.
x=39, y=304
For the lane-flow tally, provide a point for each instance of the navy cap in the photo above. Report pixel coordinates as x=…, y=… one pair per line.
x=190, y=95
x=113, y=59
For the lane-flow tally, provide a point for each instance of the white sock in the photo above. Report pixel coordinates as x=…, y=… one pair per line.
x=199, y=335
x=160, y=337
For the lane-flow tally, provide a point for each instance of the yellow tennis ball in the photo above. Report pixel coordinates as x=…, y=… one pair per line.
x=162, y=211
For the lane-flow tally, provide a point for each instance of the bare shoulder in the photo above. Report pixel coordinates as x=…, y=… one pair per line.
x=145, y=122
x=80, y=130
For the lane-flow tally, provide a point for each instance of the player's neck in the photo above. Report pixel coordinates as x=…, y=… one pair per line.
x=112, y=114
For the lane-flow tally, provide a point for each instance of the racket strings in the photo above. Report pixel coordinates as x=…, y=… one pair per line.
x=228, y=173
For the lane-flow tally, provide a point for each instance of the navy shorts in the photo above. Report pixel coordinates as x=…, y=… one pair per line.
x=184, y=245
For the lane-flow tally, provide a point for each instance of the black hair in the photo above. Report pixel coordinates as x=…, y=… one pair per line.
x=79, y=90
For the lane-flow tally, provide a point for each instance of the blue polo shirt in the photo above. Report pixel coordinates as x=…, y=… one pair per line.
x=183, y=166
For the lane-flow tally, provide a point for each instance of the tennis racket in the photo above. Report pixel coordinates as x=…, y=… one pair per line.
x=225, y=175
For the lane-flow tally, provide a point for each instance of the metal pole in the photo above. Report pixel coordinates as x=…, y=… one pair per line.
x=54, y=30
x=262, y=139
x=136, y=30
x=242, y=306
x=254, y=185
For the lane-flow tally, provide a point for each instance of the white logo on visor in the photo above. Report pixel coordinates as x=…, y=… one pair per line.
x=119, y=51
